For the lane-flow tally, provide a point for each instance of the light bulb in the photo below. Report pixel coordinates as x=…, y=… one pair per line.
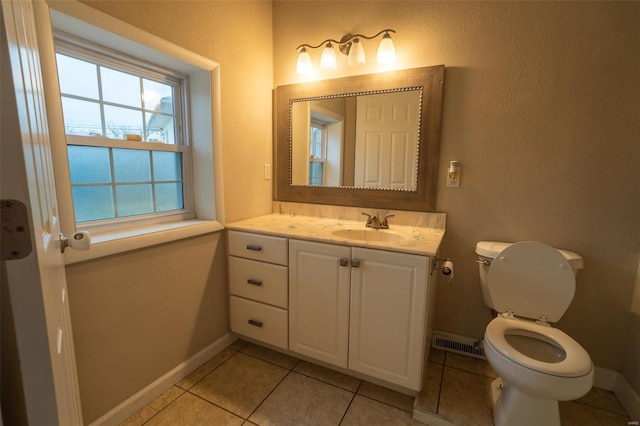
x=304, y=65
x=386, y=50
x=328, y=61
x=356, y=53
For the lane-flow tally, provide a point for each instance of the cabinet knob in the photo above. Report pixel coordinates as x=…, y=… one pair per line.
x=355, y=263
x=344, y=261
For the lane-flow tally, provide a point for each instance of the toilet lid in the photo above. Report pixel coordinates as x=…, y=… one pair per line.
x=532, y=280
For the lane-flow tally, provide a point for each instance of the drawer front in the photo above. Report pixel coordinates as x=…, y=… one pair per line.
x=261, y=322
x=263, y=282
x=258, y=247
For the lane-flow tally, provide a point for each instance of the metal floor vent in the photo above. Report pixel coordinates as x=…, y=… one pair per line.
x=457, y=344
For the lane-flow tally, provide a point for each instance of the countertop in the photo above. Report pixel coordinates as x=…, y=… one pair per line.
x=409, y=239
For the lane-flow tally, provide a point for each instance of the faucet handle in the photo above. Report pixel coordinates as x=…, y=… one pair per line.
x=369, y=218
x=385, y=223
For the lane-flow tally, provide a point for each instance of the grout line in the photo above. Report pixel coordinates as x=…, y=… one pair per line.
x=268, y=395
x=216, y=405
x=444, y=364
x=350, y=402
x=599, y=408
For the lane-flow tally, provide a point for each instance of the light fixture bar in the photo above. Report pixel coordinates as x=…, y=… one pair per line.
x=350, y=45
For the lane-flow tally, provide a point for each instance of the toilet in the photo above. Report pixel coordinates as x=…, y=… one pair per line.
x=530, y=285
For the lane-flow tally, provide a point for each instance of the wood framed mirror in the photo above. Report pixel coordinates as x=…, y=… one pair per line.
x=389, y=122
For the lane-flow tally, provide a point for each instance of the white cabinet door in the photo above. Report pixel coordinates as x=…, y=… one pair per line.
x=388, y=304
x=319, y=300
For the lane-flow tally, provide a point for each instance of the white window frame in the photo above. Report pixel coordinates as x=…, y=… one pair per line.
x=203, y=101
x=85, y=50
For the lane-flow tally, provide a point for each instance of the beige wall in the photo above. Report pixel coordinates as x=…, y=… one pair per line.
x=137, y=315
x=541, y=108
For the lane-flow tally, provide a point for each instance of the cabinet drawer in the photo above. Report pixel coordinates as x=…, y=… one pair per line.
x=261, y=322
x=263, y=282
x=258, y=247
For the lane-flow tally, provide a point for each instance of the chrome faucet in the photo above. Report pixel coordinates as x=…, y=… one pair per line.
x=374, y=221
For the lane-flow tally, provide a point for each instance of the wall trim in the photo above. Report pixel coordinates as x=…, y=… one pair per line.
x=134, y=403
x=615, y=382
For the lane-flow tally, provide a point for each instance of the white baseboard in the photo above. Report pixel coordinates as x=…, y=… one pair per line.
x=129, y=407
x=615, y=382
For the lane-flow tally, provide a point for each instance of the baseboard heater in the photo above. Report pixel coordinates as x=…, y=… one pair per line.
x=457, y=344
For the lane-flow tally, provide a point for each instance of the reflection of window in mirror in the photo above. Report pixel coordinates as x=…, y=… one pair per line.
x=317, y=152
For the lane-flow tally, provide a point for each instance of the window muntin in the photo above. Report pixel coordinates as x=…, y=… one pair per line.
x=115, y=177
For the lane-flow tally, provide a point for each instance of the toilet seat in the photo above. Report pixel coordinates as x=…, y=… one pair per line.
x=576, y=363
x=531, y=280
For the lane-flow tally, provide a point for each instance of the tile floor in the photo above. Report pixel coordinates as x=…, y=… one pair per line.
x=247, y=384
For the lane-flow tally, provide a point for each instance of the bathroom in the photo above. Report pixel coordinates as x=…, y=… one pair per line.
x=540, y=108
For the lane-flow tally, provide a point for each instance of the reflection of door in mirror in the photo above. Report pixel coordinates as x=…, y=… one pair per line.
x=386, y=140
x=319, y=142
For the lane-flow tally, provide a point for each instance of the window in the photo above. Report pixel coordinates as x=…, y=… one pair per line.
x=317, y=152
x=127, y=144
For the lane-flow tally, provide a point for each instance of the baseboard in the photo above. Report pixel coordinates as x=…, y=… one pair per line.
x=615, y=382
x=129, y=407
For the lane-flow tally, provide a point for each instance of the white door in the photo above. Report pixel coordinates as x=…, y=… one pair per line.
x=37, y=282
x=388, y=307
x=319, y=300
x=387, y=140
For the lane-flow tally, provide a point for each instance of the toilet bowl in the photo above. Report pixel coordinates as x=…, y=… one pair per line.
x=531, y=285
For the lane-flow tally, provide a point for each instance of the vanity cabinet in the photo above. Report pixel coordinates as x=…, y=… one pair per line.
x=360, y=309
x=258, y=300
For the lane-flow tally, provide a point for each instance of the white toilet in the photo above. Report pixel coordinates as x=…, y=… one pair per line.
x=530, y=285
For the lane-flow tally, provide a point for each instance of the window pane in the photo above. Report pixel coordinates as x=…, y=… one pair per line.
x=160, y=128
x=134, y=199
x=168, y=196
x=157, y=96
x=131, y=165
x=81, y=117
x=93, y=203
x=120, y=88
x=120, y=121
x=316, y=171
x=89, y=164
x=77, y=77
x=167, y=166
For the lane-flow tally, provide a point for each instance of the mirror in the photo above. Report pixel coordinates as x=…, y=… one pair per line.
x=368, y=141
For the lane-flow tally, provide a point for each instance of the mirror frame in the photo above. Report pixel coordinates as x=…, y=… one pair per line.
x=430, y=79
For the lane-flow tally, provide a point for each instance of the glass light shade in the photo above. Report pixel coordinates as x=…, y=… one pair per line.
x=304, y=65
x=356, y=54
x=328, y=61
x=386, y=50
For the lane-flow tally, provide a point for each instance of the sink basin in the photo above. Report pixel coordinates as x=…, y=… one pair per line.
x=369, y=234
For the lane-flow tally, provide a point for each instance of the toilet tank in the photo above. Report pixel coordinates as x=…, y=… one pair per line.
x=488, y=250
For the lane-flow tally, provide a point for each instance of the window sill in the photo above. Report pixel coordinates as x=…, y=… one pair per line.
x=109, y=243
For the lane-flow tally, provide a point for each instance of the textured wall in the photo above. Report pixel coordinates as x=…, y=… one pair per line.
x=541, y=108
x=137, y=315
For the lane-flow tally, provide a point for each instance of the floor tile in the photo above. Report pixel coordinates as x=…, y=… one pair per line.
x=603, y=399
x=240, y=384
x=465, y=398
x=266, y=354
x=388, y=396
x=470, y=364
x=205, y=369
x=301, y=400
x=574, y=413
x=367, y=412
x=327, y=375
x=436, y=355
x=238, y=345
x=428, y=397
x=152, y=408
x=189, y=410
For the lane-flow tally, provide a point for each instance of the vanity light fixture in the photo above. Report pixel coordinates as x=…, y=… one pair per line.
x=349, y=45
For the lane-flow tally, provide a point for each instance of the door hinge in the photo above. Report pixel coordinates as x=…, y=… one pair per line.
x=16, y=238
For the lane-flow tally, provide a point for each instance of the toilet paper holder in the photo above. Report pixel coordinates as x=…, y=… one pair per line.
x=444, y=265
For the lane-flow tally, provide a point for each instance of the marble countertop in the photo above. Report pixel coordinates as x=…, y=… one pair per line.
x=407, y=239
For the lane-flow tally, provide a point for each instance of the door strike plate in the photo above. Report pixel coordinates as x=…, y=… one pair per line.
x=16, y=238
